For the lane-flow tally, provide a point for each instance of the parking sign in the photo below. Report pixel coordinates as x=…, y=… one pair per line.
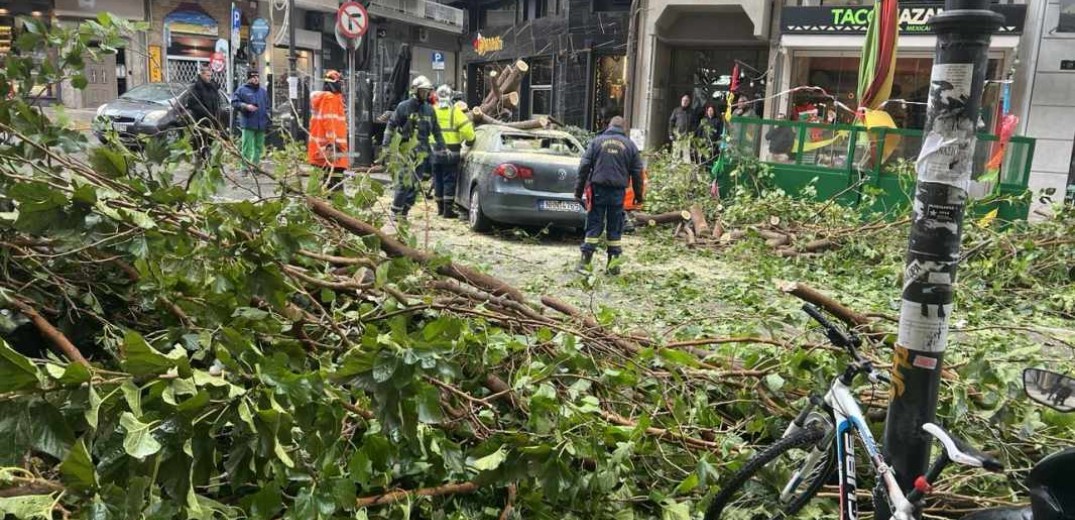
x=438, y=60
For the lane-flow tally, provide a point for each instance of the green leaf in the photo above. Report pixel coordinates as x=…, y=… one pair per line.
x=108, y=161
x=133, y=395
x=93, y=411
x=266, y=503
x=74, y=374
x=49, y=432
x=429, y=410
x=384, y=367
x=672, y=510
x=491, y=461
x=774, y=381
x=16, y=371
x=30, y=507
x=79, y=81
x=687, y=485
x=139, y=442
x=77, y=469
x=140, y=359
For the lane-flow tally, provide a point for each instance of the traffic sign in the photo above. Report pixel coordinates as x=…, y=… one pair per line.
x=216, y=62
x=438, y=60
x=346, y=43
x=352, y=20
x=259, y=33
x=236, y=20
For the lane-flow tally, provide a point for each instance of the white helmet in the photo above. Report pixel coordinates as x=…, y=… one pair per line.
x=444, y=96
x=421, y=82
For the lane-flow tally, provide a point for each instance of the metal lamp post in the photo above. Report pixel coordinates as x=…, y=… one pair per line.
x=944, y=175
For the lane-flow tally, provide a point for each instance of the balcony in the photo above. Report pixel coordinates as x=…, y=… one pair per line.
x=421, y=12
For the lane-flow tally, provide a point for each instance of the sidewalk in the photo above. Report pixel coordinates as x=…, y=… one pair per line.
x=78, y=118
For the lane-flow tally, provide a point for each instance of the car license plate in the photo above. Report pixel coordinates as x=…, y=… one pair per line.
x=561, y=205
x=121, y=127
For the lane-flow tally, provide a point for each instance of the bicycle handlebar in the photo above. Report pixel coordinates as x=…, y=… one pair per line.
x=835, y=335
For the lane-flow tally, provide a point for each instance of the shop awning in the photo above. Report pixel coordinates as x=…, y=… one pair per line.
x=854, y=42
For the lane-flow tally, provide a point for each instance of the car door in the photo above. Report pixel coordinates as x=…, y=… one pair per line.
x=471, y=167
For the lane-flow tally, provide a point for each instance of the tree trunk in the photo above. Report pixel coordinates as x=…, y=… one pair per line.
x=701, y=227
x=671, y=217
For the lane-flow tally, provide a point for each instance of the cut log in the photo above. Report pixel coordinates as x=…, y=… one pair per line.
x=701, y=227
x=778, y=241
x=529, y=124
x=823, y=244
x=510, y=100
x=771, y=235
x=672, y=217
x=507, y=83
x=718, y=230
x=690, y=236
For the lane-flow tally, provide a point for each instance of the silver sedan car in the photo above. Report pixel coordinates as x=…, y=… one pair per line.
x=524, y=177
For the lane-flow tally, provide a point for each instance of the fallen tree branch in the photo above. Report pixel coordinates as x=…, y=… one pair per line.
x=672, y=217
x=395, y=496
x=510, y=505
x=810, y=295
x=701, y=227
x=52, y=334
x=394, y=247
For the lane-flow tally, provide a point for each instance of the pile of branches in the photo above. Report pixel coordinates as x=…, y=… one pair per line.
x=169, y=354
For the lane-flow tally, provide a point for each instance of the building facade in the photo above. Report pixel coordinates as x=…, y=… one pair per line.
x=1046, y=101
x=576, y=51
x=691, y=47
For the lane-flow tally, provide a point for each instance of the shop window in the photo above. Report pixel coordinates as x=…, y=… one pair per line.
x=1067, y=17
x=609, y=81
x=534, y=9
x=540, y=86
x=611, y=5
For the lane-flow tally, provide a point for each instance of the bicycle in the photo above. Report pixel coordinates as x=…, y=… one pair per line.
x=822, y=434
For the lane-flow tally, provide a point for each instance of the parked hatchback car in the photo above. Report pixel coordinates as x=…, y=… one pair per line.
x=152, y=109
x=522, y=177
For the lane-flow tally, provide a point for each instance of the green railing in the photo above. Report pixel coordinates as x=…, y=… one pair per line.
x=841, y=161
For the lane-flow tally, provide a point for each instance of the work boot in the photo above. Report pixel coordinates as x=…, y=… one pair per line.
x=613, y=265
x=584, y=263
x=449, y=209
x=440, y=208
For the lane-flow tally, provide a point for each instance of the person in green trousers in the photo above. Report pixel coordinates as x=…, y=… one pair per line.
x=251, y=102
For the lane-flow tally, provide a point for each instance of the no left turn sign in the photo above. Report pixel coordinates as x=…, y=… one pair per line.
x=352, y=19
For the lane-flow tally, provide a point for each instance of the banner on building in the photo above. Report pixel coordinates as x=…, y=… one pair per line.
x=156, y=64
x=913, y=19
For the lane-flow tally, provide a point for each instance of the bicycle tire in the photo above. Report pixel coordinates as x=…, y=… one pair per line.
x=803, y=438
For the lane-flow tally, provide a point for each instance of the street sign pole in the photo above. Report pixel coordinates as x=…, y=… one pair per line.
x=944, y=175
x=292, y=73
x=352, y=86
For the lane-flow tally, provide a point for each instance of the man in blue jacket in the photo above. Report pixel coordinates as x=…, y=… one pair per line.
x=251, y=101
x=609, y=163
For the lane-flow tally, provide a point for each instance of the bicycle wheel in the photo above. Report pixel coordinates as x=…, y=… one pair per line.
x=753, y=493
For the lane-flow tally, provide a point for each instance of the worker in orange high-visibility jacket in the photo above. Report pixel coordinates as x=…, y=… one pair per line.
x=327, y=146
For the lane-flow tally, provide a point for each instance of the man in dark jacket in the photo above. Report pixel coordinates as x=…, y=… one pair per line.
x=252, y=103
x=681, y=125
x=203, y=107
x=416, y=123
x=609, y=163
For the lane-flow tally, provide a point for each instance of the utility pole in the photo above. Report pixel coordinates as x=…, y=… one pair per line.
x=944, y=167
x=292, y=72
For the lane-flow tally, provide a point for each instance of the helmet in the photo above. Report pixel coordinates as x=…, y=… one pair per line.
x=332, y=75
x=421, y=82
x=444, y=92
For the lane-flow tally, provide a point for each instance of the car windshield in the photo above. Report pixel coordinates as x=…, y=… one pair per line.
x=551, y=145
x=160, y=93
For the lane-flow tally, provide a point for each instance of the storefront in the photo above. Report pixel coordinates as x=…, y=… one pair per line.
x=576, y=54
x=110, y=75
x=821, y=47
x=10, y=30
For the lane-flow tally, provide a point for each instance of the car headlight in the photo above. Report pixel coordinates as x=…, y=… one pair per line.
x=154, y=116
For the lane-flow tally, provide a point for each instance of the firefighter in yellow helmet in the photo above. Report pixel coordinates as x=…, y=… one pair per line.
x=457, y=129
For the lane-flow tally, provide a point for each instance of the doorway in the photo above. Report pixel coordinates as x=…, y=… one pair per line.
x=101, y=81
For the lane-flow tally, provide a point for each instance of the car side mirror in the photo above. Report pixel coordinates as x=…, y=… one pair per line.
x=1050, y=389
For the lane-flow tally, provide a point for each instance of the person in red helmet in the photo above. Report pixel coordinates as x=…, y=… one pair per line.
x=327, y=146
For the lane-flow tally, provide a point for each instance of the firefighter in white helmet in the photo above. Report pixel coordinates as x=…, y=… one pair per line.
x=415, y=122
x=457, y=129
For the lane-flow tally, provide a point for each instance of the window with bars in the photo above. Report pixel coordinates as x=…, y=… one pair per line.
x=540, y=86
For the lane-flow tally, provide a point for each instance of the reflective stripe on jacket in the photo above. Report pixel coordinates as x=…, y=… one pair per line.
x=327, y=145
x=455, y=126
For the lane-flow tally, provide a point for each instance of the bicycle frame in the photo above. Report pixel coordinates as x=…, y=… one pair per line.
x=849, y=422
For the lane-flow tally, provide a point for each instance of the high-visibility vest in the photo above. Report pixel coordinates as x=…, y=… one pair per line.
x=455, y=126
x=327, y=145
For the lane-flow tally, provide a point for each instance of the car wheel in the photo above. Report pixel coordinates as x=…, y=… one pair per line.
x=477, y=220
